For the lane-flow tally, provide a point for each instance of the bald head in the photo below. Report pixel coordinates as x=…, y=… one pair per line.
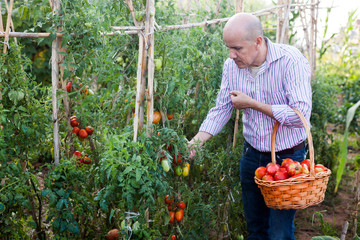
x=243, y=25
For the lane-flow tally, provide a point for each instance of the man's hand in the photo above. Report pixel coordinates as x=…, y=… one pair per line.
x=241, y=100
x=199, y=139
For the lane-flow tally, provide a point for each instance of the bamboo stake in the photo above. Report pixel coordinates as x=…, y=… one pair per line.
x=30, y=35
x=127, y=28
x=313, y=39
x=285, y=26
x=239, y=8
x=143, y=86
x=11, y=23
x=306, y=32
x=55, y=82
x=6, y=41
x=151, y=66
x=1, y=22
x=138, y=85
x=280, y=21
x=132, y=12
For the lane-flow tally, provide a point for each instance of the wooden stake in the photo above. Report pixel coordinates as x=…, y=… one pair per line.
x=30, y=35
x=11, y=23
x=150, y=16
x=132, y=12
x=285, y=25
x=1, y=22
x=8, y=22
x=138, y=85
x=55, y=83
x=239, y=8
x=280, y=21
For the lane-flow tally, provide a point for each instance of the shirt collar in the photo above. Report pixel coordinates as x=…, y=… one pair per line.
x=273, y=51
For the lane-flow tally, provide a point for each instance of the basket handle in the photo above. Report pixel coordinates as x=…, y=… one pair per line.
x=310, y=142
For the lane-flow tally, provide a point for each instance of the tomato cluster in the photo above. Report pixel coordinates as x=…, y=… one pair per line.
x=77, y=87
x=175, y=208
x=289, y=169
x=157, y=117
x=82, y=133
x=181, y=168
x=80, y=159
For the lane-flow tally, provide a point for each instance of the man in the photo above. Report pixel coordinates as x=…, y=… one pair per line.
x=265, y=80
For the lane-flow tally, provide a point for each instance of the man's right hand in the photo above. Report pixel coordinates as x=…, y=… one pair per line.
x=199, y=140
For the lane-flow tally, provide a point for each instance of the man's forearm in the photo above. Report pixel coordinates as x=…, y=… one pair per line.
x=200, y=138
x=263, y=107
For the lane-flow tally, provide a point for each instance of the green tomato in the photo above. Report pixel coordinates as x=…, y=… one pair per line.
x=201, y=167
x=123, y=224
x=178, y=170
x=158, y=64
x=165, y=165
x=136, y=226
x=120, y=60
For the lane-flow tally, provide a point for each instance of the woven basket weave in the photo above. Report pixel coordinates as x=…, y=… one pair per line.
x=296, y=193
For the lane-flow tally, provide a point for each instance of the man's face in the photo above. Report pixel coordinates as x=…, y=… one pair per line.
x=243, y=52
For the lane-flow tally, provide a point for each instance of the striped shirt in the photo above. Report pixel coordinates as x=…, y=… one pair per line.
x=283, y=82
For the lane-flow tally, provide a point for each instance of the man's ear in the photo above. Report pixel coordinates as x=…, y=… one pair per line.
x=258, y=41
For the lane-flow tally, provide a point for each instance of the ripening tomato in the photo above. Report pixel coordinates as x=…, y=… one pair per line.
x=83, y=133
x=173, y=237
x=73, y=118
x=179, y=215
x=170, y=208
x=74, y=123
x=77, y=153
x=185, y=171
x=170, y=116
x=168, y=199
x=113, y=234
x=76, y=130
x=89, y=130
x=87, y=160
x=172, y=216
x=68, y=87
x=177, y=160
x=181, y=205
x=156, y=118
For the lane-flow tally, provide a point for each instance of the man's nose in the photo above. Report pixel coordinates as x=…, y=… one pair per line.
x=232, y=55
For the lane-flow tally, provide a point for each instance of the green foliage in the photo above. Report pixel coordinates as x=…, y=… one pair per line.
x=17, y=201
x=25, y=109
x=326, y=227
x=343, y=148
x=323, y=114
x=125, y=181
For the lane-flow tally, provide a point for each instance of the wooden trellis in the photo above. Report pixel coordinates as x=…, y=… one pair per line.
x=146, y=30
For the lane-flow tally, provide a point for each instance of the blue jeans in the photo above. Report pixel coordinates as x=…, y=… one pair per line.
x=262, y=222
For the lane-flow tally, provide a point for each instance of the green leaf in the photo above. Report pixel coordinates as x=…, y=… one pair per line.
x=16, y=96
x=324, y=238
x=128, y=169
x=45, y=192
x=111, y=215
x=2, y=207
x=343, y=146
x=138, y=174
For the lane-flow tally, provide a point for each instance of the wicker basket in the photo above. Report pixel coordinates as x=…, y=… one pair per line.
x=296, y=193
